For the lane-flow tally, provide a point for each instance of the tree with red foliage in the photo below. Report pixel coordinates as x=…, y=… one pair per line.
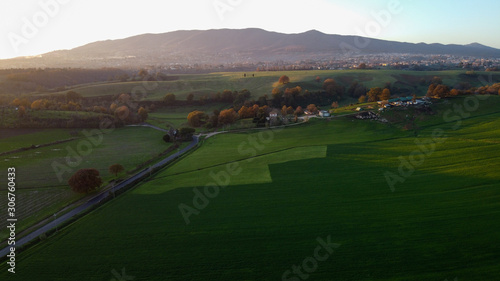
x=227, y=117
x=312, y=108
x=116, y=169
x=85, y=181
x=284, y=80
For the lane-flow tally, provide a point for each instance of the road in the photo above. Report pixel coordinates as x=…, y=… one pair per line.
x=96, y=199
x=101, y=196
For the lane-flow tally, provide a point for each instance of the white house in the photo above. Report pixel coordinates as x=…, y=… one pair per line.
x=324, y=113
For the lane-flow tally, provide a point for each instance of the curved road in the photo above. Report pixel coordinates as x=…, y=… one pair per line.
x=96, y=199
x=101, y=196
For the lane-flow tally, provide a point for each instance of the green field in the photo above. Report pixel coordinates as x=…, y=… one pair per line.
x=296, y=185
x=177, y=116
x=264, y=82
x=12, y=139
x=41, y=192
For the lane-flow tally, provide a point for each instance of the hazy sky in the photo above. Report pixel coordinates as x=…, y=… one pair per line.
x=30, y=27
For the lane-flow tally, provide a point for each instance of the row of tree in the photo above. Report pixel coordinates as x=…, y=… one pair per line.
x=259, y=114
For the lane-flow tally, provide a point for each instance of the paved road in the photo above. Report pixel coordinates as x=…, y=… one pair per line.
x=96, y=199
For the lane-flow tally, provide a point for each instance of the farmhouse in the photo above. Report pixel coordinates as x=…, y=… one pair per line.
x=274, y=113
x=324, y=113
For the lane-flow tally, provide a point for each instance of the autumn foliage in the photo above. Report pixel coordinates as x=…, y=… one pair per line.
x=197, y=118
x=85, y=181
x=312, y=108
x=142, y=113
x=116, y=169
x=284, y=80
x=227, y=117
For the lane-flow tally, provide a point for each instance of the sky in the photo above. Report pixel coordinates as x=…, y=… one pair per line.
x=32, y=27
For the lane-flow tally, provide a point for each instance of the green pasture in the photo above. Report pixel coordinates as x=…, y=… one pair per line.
x=40, y=190
x=264, y=82
x=177, y=116
x=12, y=139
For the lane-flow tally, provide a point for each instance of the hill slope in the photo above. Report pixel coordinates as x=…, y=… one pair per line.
x=234, y=46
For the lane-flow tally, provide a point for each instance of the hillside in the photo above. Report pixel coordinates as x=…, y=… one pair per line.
x=233, y=46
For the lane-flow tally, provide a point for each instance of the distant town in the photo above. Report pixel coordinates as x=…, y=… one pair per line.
x=376, y=61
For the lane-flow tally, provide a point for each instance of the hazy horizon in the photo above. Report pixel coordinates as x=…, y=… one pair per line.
x=32, y=27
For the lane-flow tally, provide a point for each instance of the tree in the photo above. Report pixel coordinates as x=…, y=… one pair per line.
x=362, y=66
x=116, y=169
x=438, y=91
x=38, y=104
x=246, y=112
x=362, y=99
x=228, y=96
x=73, y=96
x=227, y=117
x=441, y=91
x=21, y=102
x=123, y=77
x=122, y=112
x=166, y=138
x=298, y=111
x=124, y=98
x=454, y=93
x=186, y=133
x=374, y=94
x=197, y=118
x=312, y=108
x=356, y=90
x=284, y=80
x=283, y=110
x=335, y=104
x=214, y=119
x=21, y=111
x=85, y=181
x=190, y=98
x=113, y=107
x=437, y=80
x=143, y=114
x=386, y=94
x=331, y=87
x=287, y=110
x=169, y=99
x=143, y=73
x=318, y=79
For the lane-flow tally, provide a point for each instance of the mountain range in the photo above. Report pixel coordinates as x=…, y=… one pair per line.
x=233, y=46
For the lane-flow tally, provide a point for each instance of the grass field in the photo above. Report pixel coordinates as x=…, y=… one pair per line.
x=40, y=192
x=306, y=182
x=12, y=139
x=177, y=116
x=264, y=82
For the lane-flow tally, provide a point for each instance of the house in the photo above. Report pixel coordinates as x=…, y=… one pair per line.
x=274, y=113
x=324, y=113
x=275, y=117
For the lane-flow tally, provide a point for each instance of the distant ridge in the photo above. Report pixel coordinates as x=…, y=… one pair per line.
x=234, y=46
